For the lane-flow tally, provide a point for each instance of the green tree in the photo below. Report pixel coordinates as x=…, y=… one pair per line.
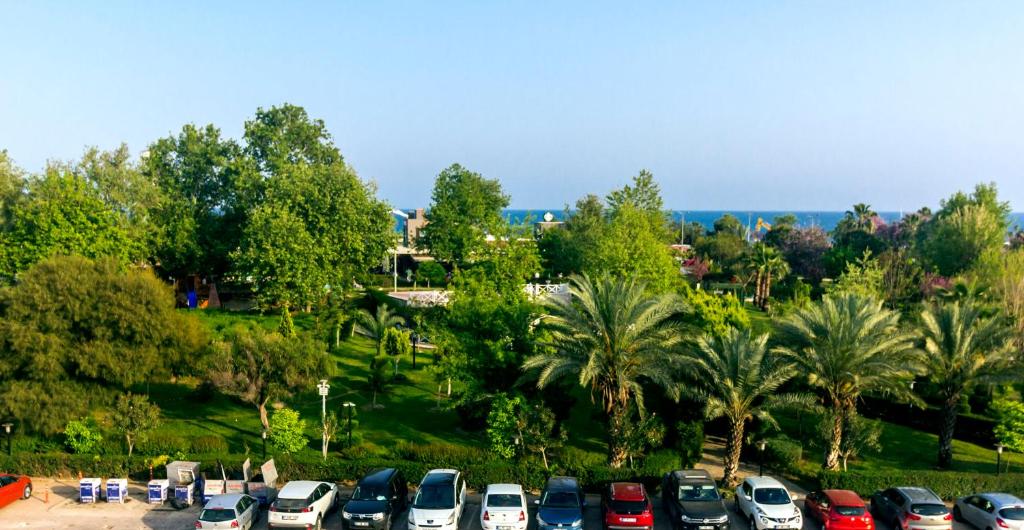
x=640, y=435
x=964, y=228
x=82, y=436
x=73, y=329
x=378, y=378
x=740, y=381
x=134, y=417
x=287, y=326
x=863, y=277
x=266, y=366
x=715, y=314
x=644, y=195
x=766, y=264
x=610, y=336
x=331, y=427
x=465, y=207
x=1003, y=271
x=962, y=349
x=430, y=272
x=633, y=245
x=375, y=325
x=846, y=346
x=396, y=344
x=287, y=431
x=859, y=435
x=538, y=430
x=1009, y=428
x=503, y=425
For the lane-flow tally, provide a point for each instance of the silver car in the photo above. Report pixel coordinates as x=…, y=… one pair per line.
x=990, y=511
x=233, y=510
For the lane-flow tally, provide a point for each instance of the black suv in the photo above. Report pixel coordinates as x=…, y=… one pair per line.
x=378, y=498
x=691, y=500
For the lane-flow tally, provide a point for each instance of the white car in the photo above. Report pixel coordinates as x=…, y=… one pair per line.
x=232, y=510
x=503, y=508
x=439, y=502
x=767, y=505
x=302, y=504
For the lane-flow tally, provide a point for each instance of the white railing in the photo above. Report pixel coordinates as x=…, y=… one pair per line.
x=547, y=289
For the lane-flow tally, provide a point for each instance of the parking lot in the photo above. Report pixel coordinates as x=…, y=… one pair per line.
x=63, y=511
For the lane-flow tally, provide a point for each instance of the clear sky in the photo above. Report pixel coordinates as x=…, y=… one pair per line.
x=747, y=105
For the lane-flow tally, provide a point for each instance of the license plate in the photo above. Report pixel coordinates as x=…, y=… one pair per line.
x=362, y=523
x=289, y=517
x=705, y=528
x=504, y=528
x=629, y=519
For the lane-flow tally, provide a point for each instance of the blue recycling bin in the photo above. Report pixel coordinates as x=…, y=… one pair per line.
x=157, y=491
x=89, y=490
x=117, y=490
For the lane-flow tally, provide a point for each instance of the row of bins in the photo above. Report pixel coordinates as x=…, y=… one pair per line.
x=184, y=484
x=90, y=489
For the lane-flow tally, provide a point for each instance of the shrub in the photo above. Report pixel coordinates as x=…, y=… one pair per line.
x=783, y=454
x=209, y=444
x=947, y=484
x=82, y=436
x=287, y=431
x=160, y=443
x=690, y=442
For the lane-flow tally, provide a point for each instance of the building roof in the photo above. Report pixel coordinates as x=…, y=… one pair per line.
x=628, y=491
x=844, y=497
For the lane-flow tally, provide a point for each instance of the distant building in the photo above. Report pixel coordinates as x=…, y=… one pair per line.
x=414, y=224
x=548, y=223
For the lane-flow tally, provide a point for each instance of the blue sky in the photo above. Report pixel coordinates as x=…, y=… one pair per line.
x=747, y=105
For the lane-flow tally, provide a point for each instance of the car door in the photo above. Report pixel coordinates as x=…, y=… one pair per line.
x=461, y=496
x=812, y=506
x=7, y=487
x=250, y=511
x=986, y=513
x=970, y=511
x=894, y=506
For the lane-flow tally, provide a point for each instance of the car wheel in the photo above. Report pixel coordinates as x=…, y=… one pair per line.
x=319, y=523
x=896, y=525
x=28, y=492
x=753, y=525
x=959, y=517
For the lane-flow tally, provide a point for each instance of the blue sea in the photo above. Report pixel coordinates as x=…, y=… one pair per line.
x=827, y=220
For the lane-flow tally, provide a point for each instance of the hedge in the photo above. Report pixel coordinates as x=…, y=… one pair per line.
x=947, y=484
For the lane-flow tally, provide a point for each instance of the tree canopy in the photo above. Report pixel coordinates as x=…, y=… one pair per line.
x=465, y=207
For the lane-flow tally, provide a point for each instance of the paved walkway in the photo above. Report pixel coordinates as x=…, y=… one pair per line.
x=712, y=461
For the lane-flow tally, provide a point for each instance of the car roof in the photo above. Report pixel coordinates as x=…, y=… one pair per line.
x=439, y=476
x=844, y=497
x=298, y=489
x=509, y=489
x=227, y=500
x=378, y=476
x=916, y=494
x=562, y=483
x=694, y=475
x=628, y=491
x=764, y=482
x=1002, y=499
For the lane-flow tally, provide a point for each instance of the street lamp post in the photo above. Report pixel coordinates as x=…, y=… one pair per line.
x=349, y=405
x=760, y=452
x=999, y=457
x=7, y=430
x=263, y=434
x=324, y=389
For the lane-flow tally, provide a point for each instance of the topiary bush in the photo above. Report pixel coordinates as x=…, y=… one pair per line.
x=287, y=431
x=82, y=436
x=947, y=484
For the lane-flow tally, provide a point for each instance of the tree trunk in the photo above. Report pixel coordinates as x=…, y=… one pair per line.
x=766, y=292
x=128, y=440
x=374, y=399
x=948, y=427
x=337, y=334
x=835, y=444
x=733, y=445
x=757, y=289
x=396, y=365
x=544, y=456
x=617, y=453
x=263, y=414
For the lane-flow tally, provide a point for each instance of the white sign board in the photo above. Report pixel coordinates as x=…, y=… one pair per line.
x=269, y=472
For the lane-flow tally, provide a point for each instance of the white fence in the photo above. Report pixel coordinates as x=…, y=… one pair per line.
x=436, y=298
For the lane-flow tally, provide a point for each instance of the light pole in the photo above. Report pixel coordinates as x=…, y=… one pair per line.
x=998, y=457
x=324, y=389
x=263, y=434
x=760, y=452
x=911, y=405
x=349, y=405
x=7, y=430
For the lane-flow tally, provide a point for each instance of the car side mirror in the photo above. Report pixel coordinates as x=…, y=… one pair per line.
x=746, y=497
x=796, y=496
x=537, y=501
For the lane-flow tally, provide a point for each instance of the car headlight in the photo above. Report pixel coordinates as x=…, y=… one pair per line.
x=722, y=519
x=687, y=519
x=451, y=518
x=346, y=515
x=578, y=522
x=796, y=512
x=412, y=517
x=378, y=517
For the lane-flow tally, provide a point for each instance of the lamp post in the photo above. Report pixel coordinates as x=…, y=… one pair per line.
x=324, y=389
x=760, y=452
x=263, y=434
x=349, y=405
x=7, y=430
x=911, y=404
x=999, y=457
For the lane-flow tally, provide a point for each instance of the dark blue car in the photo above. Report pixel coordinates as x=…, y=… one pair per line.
x=561, y=505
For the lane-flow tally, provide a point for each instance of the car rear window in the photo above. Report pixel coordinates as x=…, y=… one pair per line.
x=849, y=511
x=771, y=496
x=504, y=500
x=628, y=507
x=928, y=509
x=291, y=504
x=560, y=499
x=1015, y=513
x=217, y=515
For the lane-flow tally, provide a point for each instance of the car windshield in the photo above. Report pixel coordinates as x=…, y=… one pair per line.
x=1014, y=513
x=504, y=500
x=560, y=499
x=849, y=511
x=435, y=497
x=771, y=496
x=698, y=492
x=928, y=509
x=291, y=504
x=217, y=515
x=368, y=493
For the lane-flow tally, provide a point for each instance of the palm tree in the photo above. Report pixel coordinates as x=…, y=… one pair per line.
x=962, y=348
x=374, y=324
x=848, y=345
x=739, y=381
x=767, y=264
x=612, y=337
x=863, y=217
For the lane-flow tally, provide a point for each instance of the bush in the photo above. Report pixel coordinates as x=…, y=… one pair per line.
x=287, y=431
x=783, y=454
x=947, y=484
x=209, y=444
x=690, y=436
x=82, y=436
x=159, y=443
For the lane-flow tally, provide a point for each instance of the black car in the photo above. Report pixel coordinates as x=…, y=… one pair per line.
x=378, y=498
x=691, y=500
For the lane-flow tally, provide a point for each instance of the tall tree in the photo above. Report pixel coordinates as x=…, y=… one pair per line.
x=376, y=324
x=740, y=381
x=266, y=366
x=767, y=265
x=134, y=417
x=962, y=348
x=464, y=208
x=846, y=346
x=964, y=228
x=611, y=336
x=633, y=245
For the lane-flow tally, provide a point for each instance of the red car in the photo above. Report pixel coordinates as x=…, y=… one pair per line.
x=14, y=487
x=626, y=506
x=838, y=510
